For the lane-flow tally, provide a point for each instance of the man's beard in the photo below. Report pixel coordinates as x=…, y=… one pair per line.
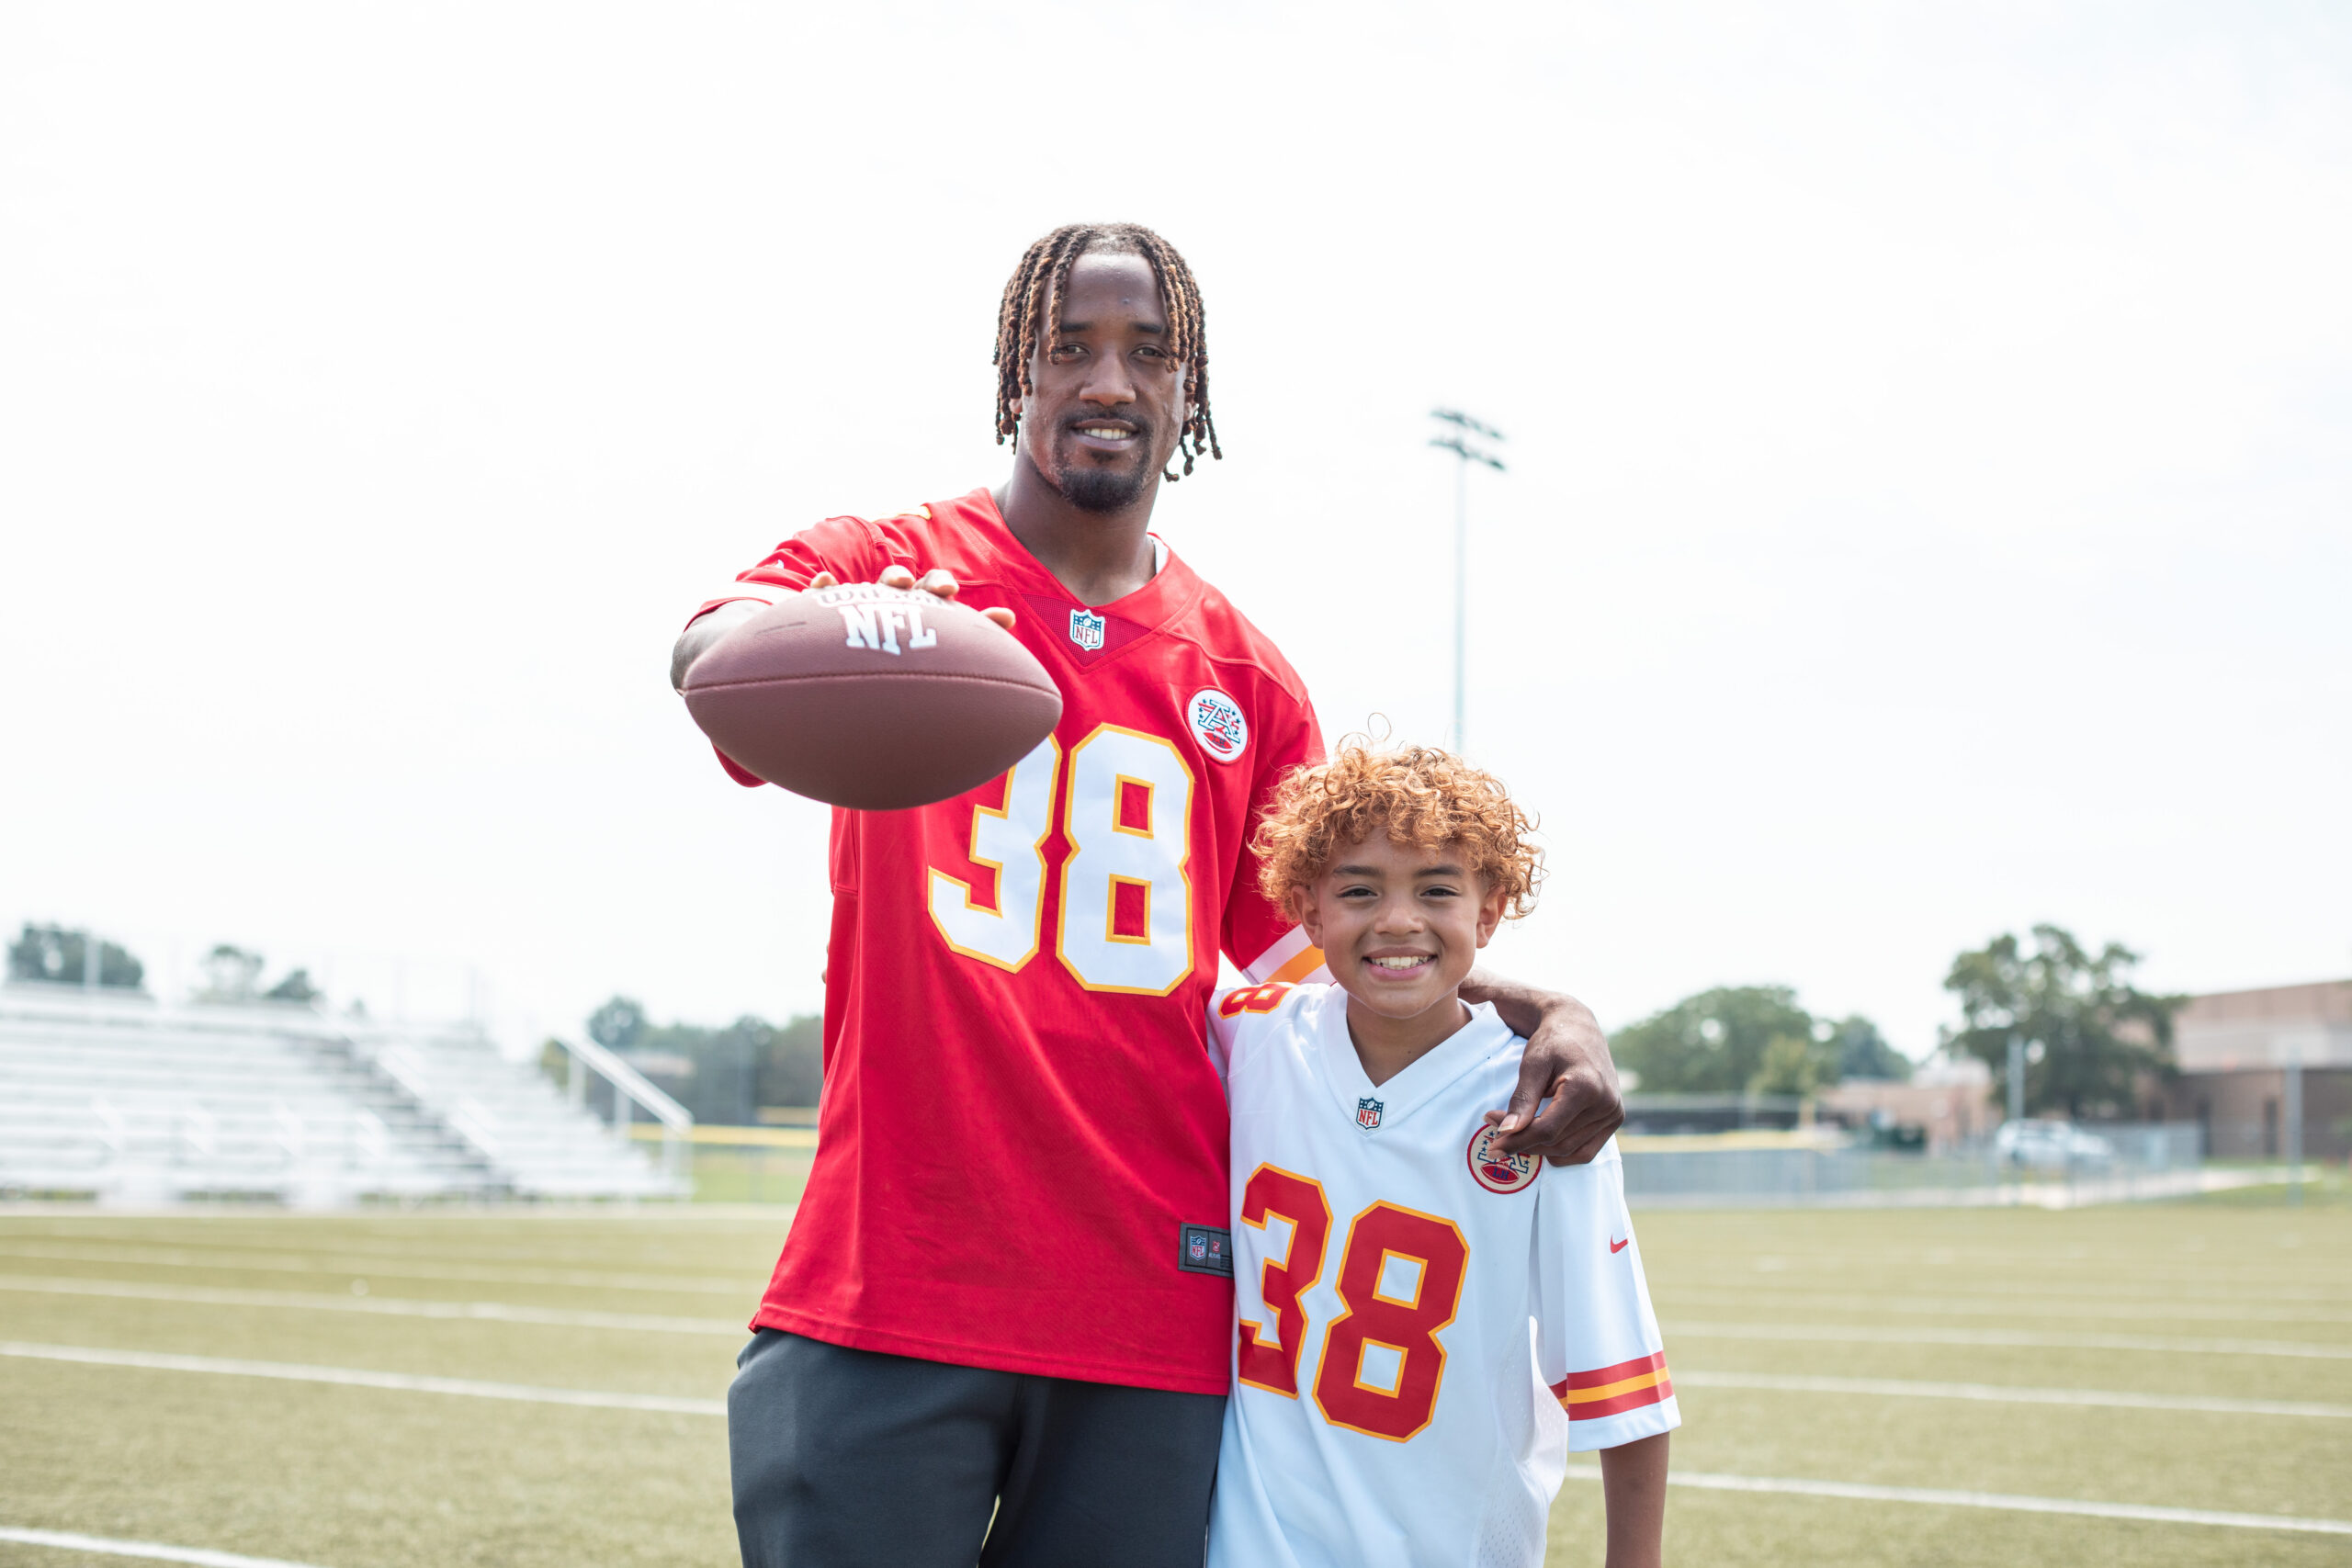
x=1104, y=490
x=1094, y=489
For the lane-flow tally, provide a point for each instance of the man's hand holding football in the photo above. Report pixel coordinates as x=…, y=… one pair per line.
x=708, y=630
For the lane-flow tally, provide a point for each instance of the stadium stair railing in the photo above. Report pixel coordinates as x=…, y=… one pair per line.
x=583, y=1056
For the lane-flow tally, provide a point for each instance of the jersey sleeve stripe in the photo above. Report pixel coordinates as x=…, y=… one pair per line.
x=1302, y=966
x=1635, y=1399
x=1606, y=1392
x=1613, y=1391
x=1601, y=1377
x=1288, y=947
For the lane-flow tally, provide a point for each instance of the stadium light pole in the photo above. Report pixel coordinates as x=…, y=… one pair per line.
x=1457, y=441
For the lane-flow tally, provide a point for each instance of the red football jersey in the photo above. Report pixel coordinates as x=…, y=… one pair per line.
x=1020, y=1117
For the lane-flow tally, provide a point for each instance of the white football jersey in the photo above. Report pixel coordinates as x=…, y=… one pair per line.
x=1420, y=1319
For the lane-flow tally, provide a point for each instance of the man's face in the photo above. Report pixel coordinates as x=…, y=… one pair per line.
x=1400, y=928
x=1108, y=403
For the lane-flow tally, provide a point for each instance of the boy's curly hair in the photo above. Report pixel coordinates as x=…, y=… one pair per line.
x=1422, y=797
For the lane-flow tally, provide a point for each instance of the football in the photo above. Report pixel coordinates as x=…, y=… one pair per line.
x=873, y=698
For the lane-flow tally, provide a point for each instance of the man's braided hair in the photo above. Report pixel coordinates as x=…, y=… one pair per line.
x=1033, y=306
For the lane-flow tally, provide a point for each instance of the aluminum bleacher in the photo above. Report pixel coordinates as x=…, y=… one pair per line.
x=115, y=1096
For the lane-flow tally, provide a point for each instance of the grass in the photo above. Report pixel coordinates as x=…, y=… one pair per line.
x=2325, y=1186
x=751, y=1175
x=368, y=1478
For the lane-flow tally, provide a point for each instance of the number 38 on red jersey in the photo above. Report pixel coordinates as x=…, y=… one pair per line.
x=1123, y=918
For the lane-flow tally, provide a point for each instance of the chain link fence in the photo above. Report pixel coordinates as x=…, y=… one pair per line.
x=2046, y=1163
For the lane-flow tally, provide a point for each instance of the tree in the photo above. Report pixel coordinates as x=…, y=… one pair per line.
x=230, y=973
x=554, y=1060
x=53, y=953
x=1715, y=1041
x=2096, y=1029
x=720, y=1076
x=1861, y=1052
x=1755, y=1038
x=1791, y=1064
x=793, y=1070
x=617, y=1024
x=294, y=987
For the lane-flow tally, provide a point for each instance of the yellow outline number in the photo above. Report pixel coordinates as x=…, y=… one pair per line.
x=1011, y=840
x=1105, y=852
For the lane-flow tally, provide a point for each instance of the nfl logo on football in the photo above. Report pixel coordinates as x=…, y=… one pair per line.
x=1367, y=1114
x=1086, y=630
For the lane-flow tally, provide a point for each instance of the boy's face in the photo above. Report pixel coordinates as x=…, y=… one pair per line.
x=1400, y=928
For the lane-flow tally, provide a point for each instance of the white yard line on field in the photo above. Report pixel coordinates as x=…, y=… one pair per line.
x=1839, y=1334
x=358, y=1377
x=1964, y=1304
x=502, y=1312
x=348, y=1265
x=2007, y=1394
x=391, y=1306
x=2006, y=1501
x=66, y=1540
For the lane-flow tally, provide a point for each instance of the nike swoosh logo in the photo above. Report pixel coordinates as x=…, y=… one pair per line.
x=1621, y=1246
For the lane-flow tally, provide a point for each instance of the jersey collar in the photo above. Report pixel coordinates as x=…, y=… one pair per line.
x=1172, y=590
x=1343, y=1072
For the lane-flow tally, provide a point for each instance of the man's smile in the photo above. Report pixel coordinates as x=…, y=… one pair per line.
x=1106, y=434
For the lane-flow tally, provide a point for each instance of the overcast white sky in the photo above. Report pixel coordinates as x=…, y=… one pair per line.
x=1929, y=435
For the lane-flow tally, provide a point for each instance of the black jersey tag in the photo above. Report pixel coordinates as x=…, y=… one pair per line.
x=1205, y=1250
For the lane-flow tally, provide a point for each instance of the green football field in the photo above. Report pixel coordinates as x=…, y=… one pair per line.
x=522, y=1389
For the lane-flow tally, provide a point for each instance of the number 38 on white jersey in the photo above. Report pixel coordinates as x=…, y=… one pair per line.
x=1423, y=1324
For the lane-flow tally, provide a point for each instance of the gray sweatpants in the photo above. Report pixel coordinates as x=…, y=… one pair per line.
x=847, y=1458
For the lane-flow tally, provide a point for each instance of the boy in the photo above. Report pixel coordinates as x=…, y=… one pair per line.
x=1389, y=1407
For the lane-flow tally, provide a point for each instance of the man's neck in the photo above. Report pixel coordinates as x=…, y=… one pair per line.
x=1387, y=1046
x=1099, y=556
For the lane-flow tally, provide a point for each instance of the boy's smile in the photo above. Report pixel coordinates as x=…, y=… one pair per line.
x=1400, y=929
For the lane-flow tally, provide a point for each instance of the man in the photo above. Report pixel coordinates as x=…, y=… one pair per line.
x=1000, y=1325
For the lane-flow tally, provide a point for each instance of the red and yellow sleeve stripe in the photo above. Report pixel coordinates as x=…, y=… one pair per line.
x=1291, y=959
x=1613, y=1391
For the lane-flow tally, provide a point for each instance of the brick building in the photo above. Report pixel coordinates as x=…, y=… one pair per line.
x=1951, y=1097
x=2232, y=1048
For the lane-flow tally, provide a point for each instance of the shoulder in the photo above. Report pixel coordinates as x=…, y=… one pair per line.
x=1242, y=653
x=1271, y=999
x=921, y=537
x=938, y=531
x=1244, y=1017
x=1498, y=1066
x=1498, y=1077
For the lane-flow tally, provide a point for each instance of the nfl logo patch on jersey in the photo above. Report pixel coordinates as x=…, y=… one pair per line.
x=1206, y=1249
x=1086, y=630
x=1368, y=1113
x=1496, y=1171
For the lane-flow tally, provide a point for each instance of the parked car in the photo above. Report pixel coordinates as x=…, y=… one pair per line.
x=2045, y=1144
